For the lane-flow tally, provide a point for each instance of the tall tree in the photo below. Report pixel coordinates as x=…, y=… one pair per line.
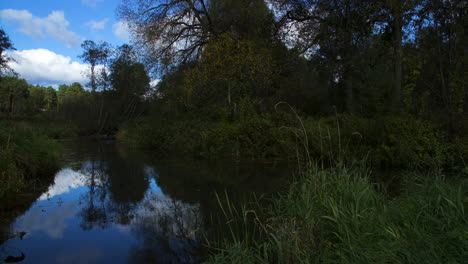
x=5, y=45
x=169, y=31
x=130, y=82
x=230, y=71
x=441, y=43
x=95, y=54
x=335, y=30
x=73, y=90
x=396, y=18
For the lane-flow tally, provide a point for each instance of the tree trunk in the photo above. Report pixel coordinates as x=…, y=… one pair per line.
x=10, y=106
x=397, y=50
x=349, y=90
x=348, y=57
x=93, y=79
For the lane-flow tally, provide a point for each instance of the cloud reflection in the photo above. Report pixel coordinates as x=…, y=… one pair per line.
x=53, y=223
x=64, y=181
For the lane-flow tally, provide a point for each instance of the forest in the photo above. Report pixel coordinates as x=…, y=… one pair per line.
x=339, y=87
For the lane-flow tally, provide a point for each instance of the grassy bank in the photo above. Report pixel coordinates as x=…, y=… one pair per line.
x=27, y=158
x=338, y=216
x=388, y=141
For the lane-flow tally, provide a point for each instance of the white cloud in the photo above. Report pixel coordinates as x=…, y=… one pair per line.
x=91, y=3
x=97, y=25
x=42, y=66
x=121, y=30
x=54, y=25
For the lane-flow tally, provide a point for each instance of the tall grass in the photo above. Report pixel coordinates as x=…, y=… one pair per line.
x=338, y=216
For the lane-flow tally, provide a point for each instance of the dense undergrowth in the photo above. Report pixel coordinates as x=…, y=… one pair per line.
x=27, y=154
x=389, y=141
x=338, y=216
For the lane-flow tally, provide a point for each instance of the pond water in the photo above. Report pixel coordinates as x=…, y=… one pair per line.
x=109, y=204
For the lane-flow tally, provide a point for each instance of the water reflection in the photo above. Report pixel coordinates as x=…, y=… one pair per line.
x=111, y=205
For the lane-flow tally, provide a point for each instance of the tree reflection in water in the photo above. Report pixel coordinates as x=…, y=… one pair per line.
x=113, y=205
x=94, y=212
x=170, y=231
x=119, y=193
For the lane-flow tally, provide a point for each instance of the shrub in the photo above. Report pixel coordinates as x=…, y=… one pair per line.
x=389, y=141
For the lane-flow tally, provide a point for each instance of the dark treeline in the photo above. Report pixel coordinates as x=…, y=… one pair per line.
x=117, y=84
x=389, y=76
x=392, y=72
x=355, y=56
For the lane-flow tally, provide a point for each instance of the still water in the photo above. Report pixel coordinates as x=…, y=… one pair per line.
x=109, y=204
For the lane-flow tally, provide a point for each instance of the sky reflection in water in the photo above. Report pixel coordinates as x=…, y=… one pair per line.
x=108, y=206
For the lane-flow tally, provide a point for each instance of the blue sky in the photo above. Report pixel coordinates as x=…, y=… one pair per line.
x=47, y=35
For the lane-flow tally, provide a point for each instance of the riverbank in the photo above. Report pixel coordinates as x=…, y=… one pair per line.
x=28, y=161
x=385, y=142
x=338, y=215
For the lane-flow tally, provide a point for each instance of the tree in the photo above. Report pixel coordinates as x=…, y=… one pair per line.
x=395, y=18
x=169, y=31
x=73, y=90
x=51, y=98
x=230, y=71
x=245, y=19
x=439, y=47
x=95, y=54
x=174, y=32
x=130, y=82
x=12, y=89
x=5, y=45
x=37, y=97
x=337, y=31
x=128, y=77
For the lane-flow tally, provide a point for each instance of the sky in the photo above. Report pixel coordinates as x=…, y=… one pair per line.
x=47, y=35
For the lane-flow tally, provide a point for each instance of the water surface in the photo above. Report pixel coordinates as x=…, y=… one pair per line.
x=109, y=204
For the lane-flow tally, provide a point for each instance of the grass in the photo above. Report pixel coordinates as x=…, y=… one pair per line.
x=26, y=156
x=338, y=216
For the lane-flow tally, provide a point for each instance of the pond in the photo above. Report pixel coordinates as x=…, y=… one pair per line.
x=109, y=204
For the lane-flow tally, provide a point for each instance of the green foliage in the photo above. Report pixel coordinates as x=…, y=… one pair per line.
x=231, y=71
x=41, y=99
x=337, y=215
x=12, y=90
x=253, y=138
x=73, y=90
x=389, y=141
x=25, y=157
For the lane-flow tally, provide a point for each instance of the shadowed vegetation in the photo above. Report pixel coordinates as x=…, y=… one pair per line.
x=337, y=215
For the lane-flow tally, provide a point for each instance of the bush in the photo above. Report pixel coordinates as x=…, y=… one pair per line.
x=257, y=138
x=390, y=141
